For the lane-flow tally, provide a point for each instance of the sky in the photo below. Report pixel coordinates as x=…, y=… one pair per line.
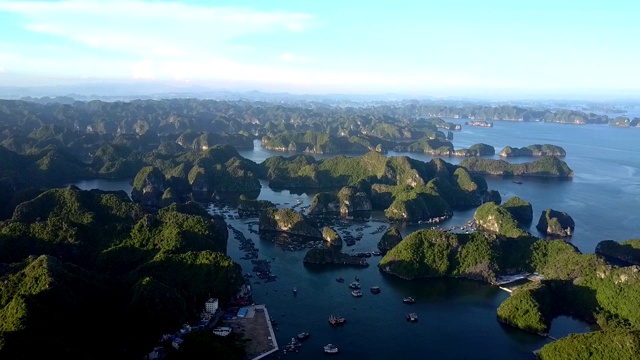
x=422, y=47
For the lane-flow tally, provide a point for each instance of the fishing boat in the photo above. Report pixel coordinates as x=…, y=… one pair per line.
x=330, y=349
x=356, y=293
x=303, y=336
x=292, y=345
x=409, y=300
x=340, y=280
x=375, y=290
x=336, y=320
x=413, y=317
x=354, y=285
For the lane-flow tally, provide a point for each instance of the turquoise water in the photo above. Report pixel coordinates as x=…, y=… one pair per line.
x=457, y=318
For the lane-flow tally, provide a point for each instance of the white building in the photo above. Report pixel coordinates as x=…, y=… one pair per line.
x=211, y=306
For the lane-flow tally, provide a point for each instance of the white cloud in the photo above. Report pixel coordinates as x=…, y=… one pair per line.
x=170, y=40
x=142, y=28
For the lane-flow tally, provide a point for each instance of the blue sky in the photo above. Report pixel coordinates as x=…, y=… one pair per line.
x=442, y=48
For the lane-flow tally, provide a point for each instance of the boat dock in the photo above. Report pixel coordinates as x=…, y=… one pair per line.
x=509, y=283
x=256, y=325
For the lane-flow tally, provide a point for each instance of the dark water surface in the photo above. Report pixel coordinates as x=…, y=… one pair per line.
x=457, y=318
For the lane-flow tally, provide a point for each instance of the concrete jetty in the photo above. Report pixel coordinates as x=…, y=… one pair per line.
x=256, y=325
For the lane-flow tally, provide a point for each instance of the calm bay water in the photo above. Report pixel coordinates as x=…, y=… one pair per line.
x=457, y=318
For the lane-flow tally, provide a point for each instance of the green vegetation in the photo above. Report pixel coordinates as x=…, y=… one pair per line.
x=424, y=253
x=66, y=253
x=389, y=239
x=528, y=308
x=433, y=253
x=498, y=219
x=575, y=284
x=320, y=143
x=432, y=147
x=520, y=210
x=628, y=251
x=534, y=150
x=405, y=188
x=71, y=252
x=288, y=221
x=253, y=206
x=545, y=166
x=482, y=149
x=620, y=344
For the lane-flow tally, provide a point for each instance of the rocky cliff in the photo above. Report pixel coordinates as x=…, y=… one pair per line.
x=148, y=187
x=288, y=221
x=555, y=223
x=347, y=202
x=331, y=236
x=389, y=239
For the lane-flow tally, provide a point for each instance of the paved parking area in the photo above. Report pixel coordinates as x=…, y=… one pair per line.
x=255, y=326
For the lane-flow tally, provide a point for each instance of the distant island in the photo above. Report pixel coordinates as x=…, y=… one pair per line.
x=545, y=166
x=534, y=150
x=480, y=123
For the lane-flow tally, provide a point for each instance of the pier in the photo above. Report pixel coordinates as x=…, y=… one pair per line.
x=256, y=325
x=509, y=283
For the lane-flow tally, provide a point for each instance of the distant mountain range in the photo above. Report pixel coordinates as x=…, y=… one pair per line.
x=123, y=91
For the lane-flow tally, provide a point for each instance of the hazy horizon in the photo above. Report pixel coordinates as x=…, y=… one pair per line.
x=495, y=50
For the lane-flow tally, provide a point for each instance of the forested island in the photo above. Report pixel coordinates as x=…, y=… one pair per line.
x=534, y=150
x=150, y=261
x=575, y=284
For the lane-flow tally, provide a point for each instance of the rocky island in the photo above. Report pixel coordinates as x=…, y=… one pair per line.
x=555, y=223
x=288, y=221
x=348, y=201
x=534, y=150
x=498, y=219
x=545, y=166
x=521, y=210
x=481, y=123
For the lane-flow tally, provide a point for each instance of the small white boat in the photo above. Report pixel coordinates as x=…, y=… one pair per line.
x=356, y=293
x=330, y=349
x=413, y=317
